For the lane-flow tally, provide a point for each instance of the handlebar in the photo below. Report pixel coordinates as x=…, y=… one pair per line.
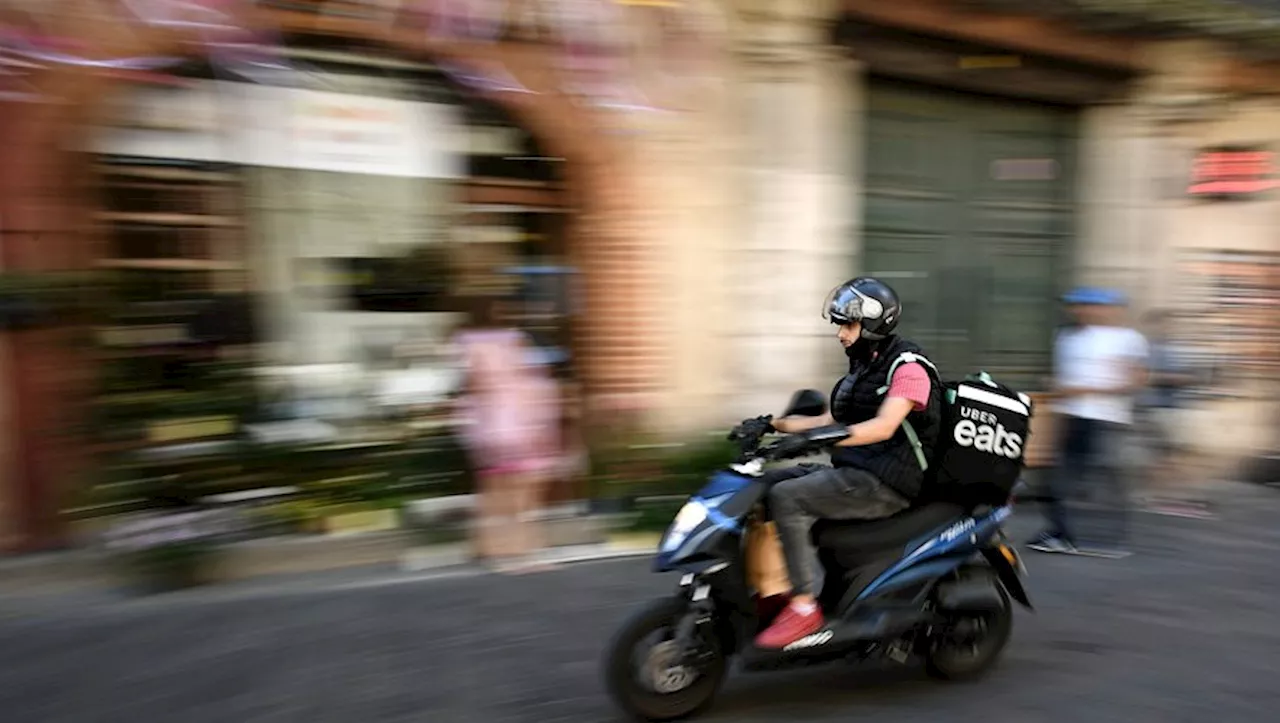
x=766, y=453
x=750, y=449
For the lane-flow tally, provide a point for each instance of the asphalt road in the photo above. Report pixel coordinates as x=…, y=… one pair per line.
x=1184, y=630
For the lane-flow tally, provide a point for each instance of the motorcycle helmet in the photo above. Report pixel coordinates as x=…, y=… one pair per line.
x=866, y=300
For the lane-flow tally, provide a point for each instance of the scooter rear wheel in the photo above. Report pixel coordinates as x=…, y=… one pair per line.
x=645, y=680
x=950, y=658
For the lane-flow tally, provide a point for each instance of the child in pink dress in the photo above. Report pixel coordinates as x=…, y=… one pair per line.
x=509, y=416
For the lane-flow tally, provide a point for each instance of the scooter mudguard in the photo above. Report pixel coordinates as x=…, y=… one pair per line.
x=1007, y=573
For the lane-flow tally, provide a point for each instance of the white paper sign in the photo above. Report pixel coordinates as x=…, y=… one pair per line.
x=280, y=127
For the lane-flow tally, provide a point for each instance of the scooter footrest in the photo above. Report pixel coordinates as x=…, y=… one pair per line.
x=879, y=624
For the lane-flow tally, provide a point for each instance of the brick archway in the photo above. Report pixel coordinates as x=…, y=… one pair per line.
x=46, y=202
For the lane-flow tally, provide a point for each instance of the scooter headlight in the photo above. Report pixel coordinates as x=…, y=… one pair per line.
x=693, y=513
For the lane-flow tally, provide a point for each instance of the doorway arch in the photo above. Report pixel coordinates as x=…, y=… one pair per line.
x=46, y=202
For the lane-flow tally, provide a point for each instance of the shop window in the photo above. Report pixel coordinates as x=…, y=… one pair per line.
x=416, y=282
x=164, y=215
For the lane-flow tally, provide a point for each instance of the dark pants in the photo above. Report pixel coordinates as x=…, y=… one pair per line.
x=1088, y=464
x=1154, y=423
x=804, y=494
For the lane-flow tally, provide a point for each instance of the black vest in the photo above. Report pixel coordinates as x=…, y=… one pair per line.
x=856, y=398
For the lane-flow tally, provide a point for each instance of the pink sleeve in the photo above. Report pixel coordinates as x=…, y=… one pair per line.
x=911, y=381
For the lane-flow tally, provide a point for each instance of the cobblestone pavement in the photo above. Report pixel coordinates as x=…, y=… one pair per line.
x=1184, y=630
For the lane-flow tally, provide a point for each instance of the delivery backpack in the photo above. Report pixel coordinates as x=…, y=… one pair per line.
x=982, y=440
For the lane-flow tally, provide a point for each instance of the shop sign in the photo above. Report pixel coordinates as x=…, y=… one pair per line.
x=348, y=133
x=356, y=134
x=280, y=127
x=1233, y=172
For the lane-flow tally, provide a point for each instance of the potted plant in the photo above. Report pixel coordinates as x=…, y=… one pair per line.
x=166, y=550
x=157, y=533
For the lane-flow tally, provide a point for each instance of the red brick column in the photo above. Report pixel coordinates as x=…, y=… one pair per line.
x=45, y=226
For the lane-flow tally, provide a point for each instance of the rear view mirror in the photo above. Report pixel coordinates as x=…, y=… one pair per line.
x=807, y=403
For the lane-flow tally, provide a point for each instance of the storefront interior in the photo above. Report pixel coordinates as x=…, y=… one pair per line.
x=300, y=242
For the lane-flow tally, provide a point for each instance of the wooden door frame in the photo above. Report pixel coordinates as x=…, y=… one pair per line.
x=1016, y=31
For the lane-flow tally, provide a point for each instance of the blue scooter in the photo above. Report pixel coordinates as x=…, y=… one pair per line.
x=930, y=584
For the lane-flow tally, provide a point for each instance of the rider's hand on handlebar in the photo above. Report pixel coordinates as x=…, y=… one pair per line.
x=752, y=429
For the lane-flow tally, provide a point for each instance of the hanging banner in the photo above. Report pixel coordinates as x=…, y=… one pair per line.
x=257, y=125
x=362, y=134
x=346, y=133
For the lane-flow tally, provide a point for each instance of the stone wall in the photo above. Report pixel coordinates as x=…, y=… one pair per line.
x=799, y=173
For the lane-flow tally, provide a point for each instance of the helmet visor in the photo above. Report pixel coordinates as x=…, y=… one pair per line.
x=844, y=305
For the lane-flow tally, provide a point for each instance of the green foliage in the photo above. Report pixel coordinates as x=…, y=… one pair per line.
x=51, y=298
x=688, y=466
x=641, y=468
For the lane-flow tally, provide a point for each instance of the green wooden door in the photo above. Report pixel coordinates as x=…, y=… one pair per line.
x=969, y=208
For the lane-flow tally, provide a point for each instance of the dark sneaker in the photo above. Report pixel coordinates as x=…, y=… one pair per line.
x=1052, y=543
x=791, y=625
x=769, y=608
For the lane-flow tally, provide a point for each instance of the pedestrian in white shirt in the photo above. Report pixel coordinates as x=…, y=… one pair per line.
x=1100, y=365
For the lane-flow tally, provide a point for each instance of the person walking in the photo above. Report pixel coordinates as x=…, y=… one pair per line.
x=509, y=417
x=1100, y=366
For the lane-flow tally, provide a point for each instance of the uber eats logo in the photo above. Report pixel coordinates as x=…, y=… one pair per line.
x=982, y=431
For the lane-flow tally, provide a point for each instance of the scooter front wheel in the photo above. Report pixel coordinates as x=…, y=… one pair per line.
x=644, y=673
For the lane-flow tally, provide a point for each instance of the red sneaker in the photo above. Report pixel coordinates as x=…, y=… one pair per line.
x=792, y=624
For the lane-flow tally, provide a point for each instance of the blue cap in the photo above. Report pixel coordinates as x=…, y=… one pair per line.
x=1094, y=296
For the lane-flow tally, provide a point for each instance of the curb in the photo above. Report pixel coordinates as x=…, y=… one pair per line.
x=434, y=557
x=445, y=562
x=262, y=561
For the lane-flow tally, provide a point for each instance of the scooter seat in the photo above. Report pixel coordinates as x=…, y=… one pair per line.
x=867, y=537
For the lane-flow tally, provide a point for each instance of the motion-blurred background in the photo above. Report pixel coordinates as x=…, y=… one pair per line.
x=239, y=242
